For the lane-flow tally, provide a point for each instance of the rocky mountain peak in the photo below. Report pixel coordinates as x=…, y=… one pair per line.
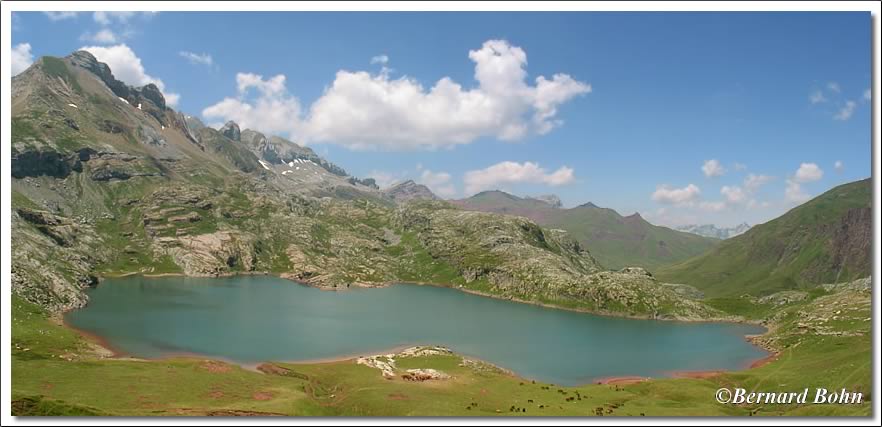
x=152, y=92
x=231, y=131
x=409, y=190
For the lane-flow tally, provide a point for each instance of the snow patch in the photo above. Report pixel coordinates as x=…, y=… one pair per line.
x=72, y=105
x=139, y=105
x=264, y=164
x=123, y=99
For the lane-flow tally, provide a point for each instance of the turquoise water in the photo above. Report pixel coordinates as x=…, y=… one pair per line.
x=250, y=319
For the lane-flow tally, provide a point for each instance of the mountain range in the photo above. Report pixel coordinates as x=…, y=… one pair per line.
x=616, y=241
x=109, y=180
x=710, y=230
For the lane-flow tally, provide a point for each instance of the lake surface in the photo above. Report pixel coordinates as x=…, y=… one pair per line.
x=249, y=319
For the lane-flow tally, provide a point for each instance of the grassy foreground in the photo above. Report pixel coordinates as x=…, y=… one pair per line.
x=825, y=343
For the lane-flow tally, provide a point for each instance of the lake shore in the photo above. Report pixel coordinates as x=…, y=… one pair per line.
x=106, y=350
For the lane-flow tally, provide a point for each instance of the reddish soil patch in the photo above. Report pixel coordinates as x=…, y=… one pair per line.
x=263, y=395
x=398, y=396
x=697, y=374
x=269, y=368
x=621, y=380
x=215, y=367
x=216, y=394
x=765, y=360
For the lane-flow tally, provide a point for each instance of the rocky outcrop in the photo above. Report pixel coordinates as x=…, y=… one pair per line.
x=231, y=131
x=148, y=136
x=43, y=162
x=409, y=190
x=53, y=258
x=210, y=254
x=152, y=92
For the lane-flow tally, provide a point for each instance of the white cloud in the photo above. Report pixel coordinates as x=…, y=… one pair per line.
x=274, y=111
x=103, y=36
x=121, y=17
x=808, y=172
x=867, y=94
x=438, y=182
x=505, y=173
x=59, y=16
x=380, y=59
x=361, y=110
x=197, y=58
x=740, y=166
x=734, y=195
x=676, y=196
x=127, y=67
x=713, y=168
x=834, y=87
x=21, y=58
x=817, y=97
x=753, y=182
x=846, y=111
x=793, y=192
x=839, y=166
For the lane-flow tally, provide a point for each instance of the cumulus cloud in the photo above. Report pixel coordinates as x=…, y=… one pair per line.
x=273, y=110
x=505, y=173
x=838, y=166
x=438, y=182
x=733, y=194
x=361, y=110
x=60, y=16
x=676, y=196
x=103, y=36
x=808, y=172
x=197, y=58
x=846, y=111
x=127, y=67
x=713, y=168
x=794, y=193
x=21, y=58
x=753, y=182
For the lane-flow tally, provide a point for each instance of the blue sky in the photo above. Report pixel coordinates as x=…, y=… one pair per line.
x=630, y=112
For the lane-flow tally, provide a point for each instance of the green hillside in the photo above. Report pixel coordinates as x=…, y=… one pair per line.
x=615, y=241
x=825, y=240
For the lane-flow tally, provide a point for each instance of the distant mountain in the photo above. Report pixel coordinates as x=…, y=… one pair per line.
x=710, y=230
x=409, y=190
x=614, y=240
x=827, y=239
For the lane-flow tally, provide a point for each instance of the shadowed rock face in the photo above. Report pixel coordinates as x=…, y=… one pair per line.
x=231, y=131
x=48, y=162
